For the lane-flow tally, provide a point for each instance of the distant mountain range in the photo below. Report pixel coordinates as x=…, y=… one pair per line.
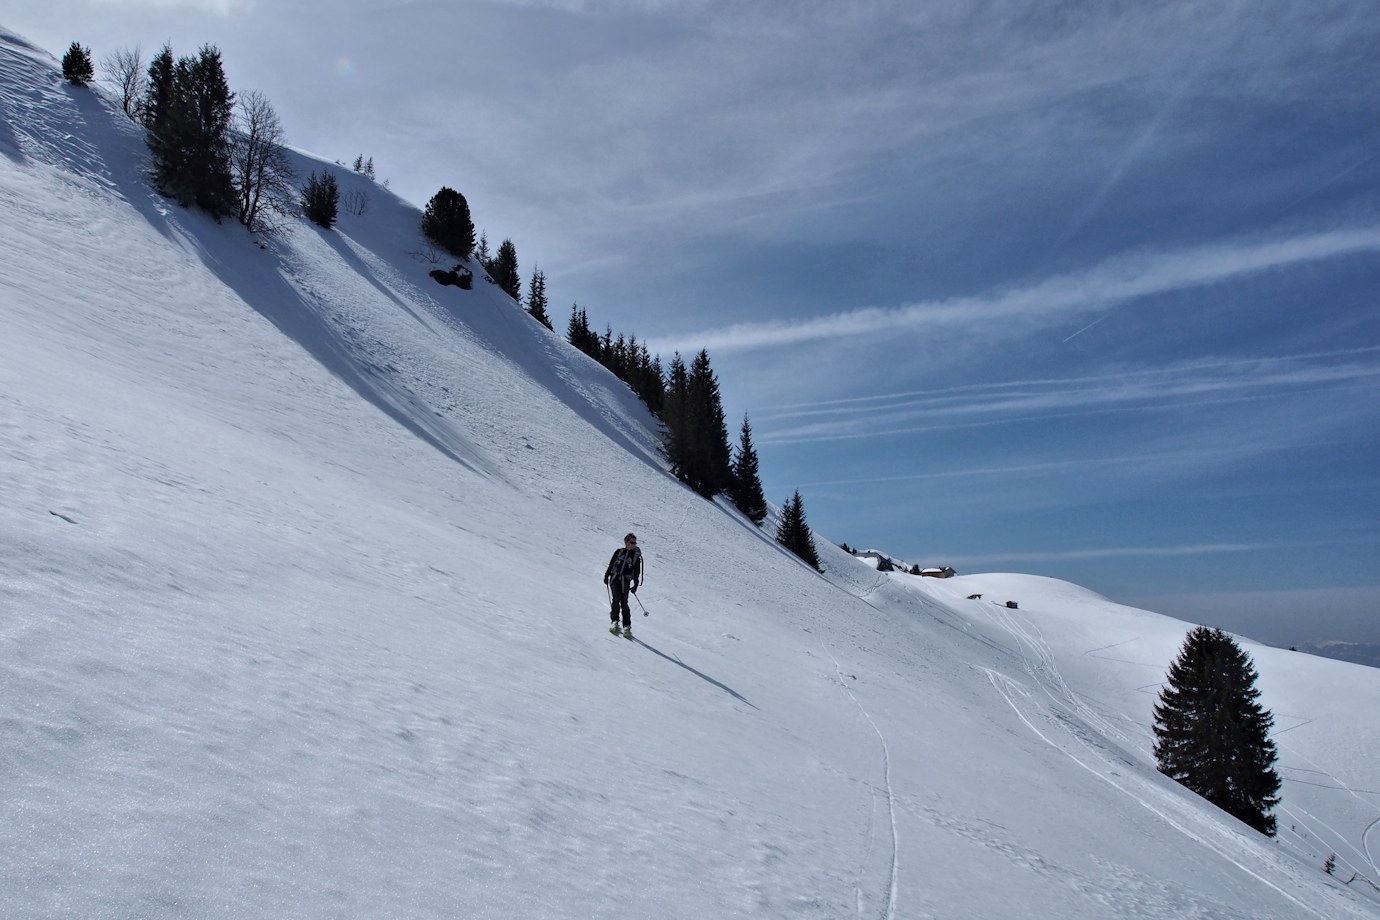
x=1357, y=652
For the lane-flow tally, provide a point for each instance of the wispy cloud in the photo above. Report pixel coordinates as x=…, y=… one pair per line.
x=1173, y=387
x=1114, y=552
x=217, y=7
x=1113, y=283
x=1011, y=471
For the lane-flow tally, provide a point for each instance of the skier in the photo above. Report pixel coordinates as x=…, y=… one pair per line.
x=623, y=575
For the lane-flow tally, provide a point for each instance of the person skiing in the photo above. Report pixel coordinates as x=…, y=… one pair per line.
x=623, y=575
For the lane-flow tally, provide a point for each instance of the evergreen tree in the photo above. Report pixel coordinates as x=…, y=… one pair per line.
x=504, y=270
x=624, y=356
x=713, y=457
x=793, y=532
x=650, y=382
x=481, y=254
x=675, y=407
x=187, y=116
x=536, y=298
x=447, y=223
x=618, y=357
x=158, y=95
x=579, y=334
x=697, y=438
x=77, y=68
x=747, y=483
x=321, y=200
x=1211, y=734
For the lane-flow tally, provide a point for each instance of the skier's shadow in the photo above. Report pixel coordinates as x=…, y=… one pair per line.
x=702, y=676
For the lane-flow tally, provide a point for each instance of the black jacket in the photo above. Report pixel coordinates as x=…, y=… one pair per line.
x=626, y=564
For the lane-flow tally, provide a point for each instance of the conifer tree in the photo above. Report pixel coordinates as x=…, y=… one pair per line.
x=697, y=436
x=158, y=96
x=674, y=409
x=579, y=334
x=321, y=199
x=747, y=483
x=504, y=270
x=650, y=386
x=536, y=298
x=187, y=115
x=1212, y=735
x=77, y=68
x=793, y=532
x=447, y=222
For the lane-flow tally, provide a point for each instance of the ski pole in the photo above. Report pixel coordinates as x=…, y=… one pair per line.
x=639, y=603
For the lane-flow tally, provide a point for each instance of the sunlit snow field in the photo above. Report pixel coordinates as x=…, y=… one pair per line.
x=301, y=616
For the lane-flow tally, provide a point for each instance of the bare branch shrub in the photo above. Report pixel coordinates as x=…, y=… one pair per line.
x=355, y=201
x=264, y=180
x=127, y=76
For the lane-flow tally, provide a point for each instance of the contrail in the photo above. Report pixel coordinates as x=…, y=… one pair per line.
x=1088, y=326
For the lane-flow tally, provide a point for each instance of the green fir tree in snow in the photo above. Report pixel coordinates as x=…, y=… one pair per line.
x=1211, y=733
x=794, y=533
x=747, y=482
x=77, y=68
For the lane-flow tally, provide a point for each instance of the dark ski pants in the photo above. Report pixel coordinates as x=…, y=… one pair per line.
x=618, y=588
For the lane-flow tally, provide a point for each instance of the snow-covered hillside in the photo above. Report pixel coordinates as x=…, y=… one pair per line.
x=301, y=616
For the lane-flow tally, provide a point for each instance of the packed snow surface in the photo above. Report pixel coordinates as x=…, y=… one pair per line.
x=301, y=616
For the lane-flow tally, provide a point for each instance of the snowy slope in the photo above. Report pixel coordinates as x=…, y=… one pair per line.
x=300, y=616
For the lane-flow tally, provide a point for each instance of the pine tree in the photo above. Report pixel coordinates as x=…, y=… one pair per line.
x=158, y=95
x=747, y=483
x=675, y=406
x=536, y=298
x=579, y=334
x=321, y=200
x=187, y=115
x=504, y=270
x=715, y=467
x=77, y=68
x=447, y=223
x=1211, y=734
x=650, y=386
x=793, y=532
x=697, y=438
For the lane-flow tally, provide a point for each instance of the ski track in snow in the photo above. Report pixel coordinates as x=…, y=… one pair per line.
x=1339, y=840
x=1220, y=842
x=894, y=870
x=1044, y=672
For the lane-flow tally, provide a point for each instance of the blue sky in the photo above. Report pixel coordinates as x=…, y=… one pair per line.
x=1080, y=289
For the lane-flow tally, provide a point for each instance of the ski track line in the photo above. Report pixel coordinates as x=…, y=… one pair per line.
x=1005, y=685
x=890, y=797
x=1364, y=849
x=1316, y=827
x=1047, y=676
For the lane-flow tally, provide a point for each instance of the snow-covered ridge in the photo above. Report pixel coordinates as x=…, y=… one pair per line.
x=300, y=616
